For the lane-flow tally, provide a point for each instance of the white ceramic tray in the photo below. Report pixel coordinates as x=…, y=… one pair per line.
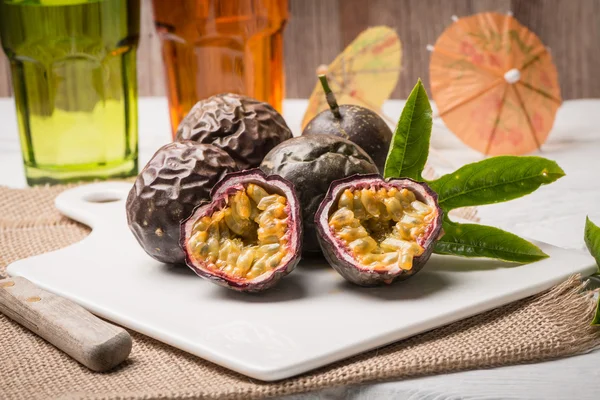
x=312, y=318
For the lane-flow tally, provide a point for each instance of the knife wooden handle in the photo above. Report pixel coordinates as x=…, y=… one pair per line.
x=93, y=342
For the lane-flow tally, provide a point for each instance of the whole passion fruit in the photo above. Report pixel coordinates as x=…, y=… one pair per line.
x=358, y=124
x=250, y=234
x=247, y=129
x=375, y=231
x=177, y=178
x=311, y=163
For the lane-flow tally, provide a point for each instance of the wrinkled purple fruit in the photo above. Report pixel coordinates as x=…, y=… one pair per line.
x=311, y=163
x=247, y=129
x=177, y=178
x=357, y=124
x=248, y=236
x=375, y=231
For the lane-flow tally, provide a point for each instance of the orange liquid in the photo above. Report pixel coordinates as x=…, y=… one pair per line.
x=217, y=46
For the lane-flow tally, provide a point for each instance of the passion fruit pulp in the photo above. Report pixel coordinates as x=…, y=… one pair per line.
x=250, y=234
x=311, y=163
x=375, y=231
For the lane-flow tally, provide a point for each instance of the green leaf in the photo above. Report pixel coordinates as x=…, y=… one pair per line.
x=472, y=240
x=410, y=143
x=592, y=239
x=494, y=180
x=596, y=320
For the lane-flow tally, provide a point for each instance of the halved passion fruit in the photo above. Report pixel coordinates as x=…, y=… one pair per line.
x=375, y=231
x=250, y=234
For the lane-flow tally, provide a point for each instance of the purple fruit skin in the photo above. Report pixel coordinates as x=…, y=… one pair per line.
x=311, y=163
x=247, y=129
x=334, y=254
x=229, y=185
x=358, y=124
x=178, y=177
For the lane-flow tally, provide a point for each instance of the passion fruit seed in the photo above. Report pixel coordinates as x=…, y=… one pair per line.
x=383, y=228
x=245, y=239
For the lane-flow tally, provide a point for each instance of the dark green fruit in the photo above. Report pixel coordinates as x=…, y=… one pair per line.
x=247, y=129
x=311, y=163
x=375, y=231
x=177, y=178
x=358, y=124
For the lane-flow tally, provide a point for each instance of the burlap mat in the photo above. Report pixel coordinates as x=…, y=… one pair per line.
x=550, y=325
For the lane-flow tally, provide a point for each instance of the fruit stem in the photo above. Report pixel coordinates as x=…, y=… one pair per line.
x=333, y=105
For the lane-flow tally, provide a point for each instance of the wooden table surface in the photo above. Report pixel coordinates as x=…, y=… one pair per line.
x=320, y=29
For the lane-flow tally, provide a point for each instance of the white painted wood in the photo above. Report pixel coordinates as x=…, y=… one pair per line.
x=564, y=379
x=307, y=321
x=98, y=345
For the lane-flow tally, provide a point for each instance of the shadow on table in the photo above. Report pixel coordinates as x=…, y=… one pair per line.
x=422, y=285
x=291, y=287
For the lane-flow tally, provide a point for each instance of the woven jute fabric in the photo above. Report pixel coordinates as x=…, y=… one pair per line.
x=550, y=325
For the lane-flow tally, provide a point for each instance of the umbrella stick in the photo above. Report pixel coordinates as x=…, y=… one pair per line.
x=333, y=105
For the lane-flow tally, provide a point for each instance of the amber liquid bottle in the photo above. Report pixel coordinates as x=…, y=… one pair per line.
x=217, y=46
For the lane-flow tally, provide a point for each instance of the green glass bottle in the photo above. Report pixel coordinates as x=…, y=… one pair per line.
x=73, y=65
